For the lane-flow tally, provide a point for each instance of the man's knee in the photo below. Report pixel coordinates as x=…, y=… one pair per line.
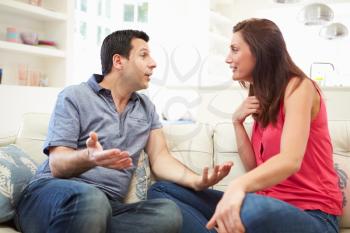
x=92, y=200
x=88, y=207
x=168, y=216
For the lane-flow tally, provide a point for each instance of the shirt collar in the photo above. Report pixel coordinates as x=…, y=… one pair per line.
x=94, y=81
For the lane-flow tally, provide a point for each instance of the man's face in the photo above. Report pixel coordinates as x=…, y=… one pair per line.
x=139, y=67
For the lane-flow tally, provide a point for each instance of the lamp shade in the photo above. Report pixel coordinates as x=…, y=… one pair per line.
x=333, y=31
x=316, y=14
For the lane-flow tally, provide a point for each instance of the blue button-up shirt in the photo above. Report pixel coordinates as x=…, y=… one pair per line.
x=88, y=107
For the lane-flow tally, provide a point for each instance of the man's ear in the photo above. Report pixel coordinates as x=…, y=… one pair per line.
x=117, y=61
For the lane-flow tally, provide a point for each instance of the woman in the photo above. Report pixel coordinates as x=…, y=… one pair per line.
x=290, y=184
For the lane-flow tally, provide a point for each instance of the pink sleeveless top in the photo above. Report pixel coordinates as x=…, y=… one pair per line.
x=315, y=185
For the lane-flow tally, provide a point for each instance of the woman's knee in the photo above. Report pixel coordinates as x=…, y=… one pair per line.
x=158, y=189
x=260, y=210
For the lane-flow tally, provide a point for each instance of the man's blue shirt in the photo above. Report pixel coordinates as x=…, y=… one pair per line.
x=88, y=107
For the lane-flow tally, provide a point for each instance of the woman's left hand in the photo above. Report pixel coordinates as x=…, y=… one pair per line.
x=226, y=218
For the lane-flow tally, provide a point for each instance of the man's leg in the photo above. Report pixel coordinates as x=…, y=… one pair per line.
x=61, y=205
x=262, y=214
x=152, y=216
x=196, y=207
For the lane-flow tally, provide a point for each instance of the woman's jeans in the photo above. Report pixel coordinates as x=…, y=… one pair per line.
x=53, y=205
x=259, y=214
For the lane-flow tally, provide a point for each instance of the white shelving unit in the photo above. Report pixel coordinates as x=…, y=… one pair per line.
x=31, y=50
x=27, y=10
x=52, y=21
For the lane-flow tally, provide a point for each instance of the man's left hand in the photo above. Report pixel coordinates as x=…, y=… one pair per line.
x=209, y=178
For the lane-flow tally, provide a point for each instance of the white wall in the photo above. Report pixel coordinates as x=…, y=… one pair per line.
x=14, y=101
x=303, y=42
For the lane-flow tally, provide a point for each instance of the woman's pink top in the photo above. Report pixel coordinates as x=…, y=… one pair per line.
x=315, y=185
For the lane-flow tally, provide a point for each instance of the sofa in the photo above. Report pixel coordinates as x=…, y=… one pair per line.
x=197, y=145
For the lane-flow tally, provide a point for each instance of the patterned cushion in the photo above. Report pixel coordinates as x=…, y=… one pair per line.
x=342, y=166
x=16, y=169
x=140, y=181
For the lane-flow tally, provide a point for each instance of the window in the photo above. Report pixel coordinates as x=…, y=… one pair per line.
x=94, y=20
x=137, y=12
x=83, y=30
x=142, y=10
x=83, y=5
x=129, y=13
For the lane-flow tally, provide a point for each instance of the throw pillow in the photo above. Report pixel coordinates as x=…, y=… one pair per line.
x=16, y=170
x=342, y=166
x=140, y=181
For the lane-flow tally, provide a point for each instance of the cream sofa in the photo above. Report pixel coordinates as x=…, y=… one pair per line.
x=197, y=145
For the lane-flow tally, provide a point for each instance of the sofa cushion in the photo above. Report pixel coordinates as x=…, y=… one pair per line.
x=16, y=169
x=192, y=144
x=225, y=149
x=32, y=135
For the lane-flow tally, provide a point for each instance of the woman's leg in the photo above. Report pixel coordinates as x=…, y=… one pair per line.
x=261, y=214
x=196, y=207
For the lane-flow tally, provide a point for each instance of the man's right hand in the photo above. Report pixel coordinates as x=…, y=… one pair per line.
x=112, y=158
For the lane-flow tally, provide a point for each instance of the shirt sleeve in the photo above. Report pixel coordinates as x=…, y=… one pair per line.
x=156, y=124
x=64, y=123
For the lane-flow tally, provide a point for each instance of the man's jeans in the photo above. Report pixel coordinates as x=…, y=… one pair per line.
x=259, y=214
x=60, y=205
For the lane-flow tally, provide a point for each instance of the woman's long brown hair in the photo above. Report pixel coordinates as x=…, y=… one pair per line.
x=273, y=69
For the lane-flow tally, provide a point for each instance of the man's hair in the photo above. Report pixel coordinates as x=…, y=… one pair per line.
x=118, y=42
x=273, y=69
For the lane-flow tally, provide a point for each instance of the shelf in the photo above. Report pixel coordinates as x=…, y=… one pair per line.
x=31, y=11
x=30, y=49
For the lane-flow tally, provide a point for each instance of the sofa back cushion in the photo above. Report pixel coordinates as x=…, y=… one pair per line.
x=32, y=134
x=192, y=144
x=225, y=149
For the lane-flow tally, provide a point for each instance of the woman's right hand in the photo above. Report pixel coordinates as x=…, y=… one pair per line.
x=249, y=106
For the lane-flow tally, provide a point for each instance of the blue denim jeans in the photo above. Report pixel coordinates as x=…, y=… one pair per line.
x=60, y=205
x=259, y=214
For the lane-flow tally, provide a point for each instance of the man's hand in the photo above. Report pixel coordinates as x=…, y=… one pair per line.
x=112, y=158
x=214, y=176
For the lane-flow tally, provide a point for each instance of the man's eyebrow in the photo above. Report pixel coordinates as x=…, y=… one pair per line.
x=144, y=49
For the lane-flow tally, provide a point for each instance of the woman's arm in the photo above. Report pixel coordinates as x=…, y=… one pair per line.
x=245, y=150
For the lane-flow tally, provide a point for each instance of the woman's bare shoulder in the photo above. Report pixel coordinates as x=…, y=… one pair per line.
x=297, y=84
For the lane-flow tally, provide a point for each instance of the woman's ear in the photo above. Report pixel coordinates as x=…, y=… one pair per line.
x=117, y=61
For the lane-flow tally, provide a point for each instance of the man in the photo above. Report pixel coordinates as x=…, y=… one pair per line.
x=95, y=137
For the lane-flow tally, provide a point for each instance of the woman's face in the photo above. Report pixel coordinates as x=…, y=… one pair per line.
x=240, y=59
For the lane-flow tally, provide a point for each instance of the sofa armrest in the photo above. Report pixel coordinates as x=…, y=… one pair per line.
x=7, y=140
